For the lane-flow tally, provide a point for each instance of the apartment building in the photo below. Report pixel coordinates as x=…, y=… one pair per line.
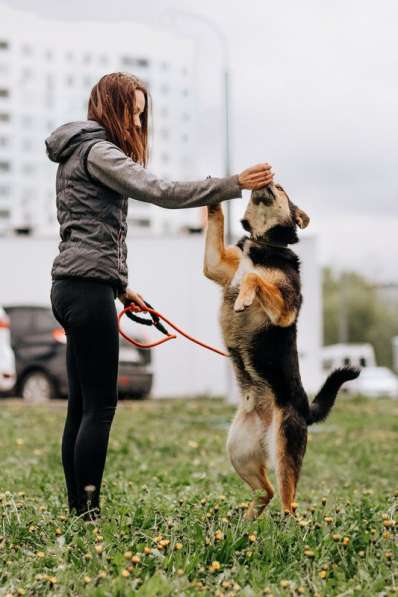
x=47, y=69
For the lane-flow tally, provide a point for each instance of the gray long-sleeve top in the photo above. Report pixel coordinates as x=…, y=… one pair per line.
x=108, y=164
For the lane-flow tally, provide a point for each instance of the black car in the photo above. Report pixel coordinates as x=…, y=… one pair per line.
x=39, y=344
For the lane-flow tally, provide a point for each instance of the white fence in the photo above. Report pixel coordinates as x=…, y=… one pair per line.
x=168, y=272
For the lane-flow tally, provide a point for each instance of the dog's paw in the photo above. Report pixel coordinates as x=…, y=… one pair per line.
x=243, y=301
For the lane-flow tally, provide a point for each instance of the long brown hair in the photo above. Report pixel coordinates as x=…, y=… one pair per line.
x=112, y=104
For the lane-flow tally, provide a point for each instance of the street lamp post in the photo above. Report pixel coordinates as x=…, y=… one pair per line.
x=226, y=101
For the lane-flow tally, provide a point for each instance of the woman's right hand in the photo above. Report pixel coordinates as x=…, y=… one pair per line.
x=256, y=177
x=130, y=296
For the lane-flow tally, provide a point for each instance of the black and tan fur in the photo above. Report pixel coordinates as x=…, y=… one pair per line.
x=260, y=277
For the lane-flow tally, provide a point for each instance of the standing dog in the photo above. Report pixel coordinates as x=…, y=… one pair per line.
x=261, y=302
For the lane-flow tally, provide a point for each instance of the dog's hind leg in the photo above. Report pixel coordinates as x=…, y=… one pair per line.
x=247, y=455
x=291, y=444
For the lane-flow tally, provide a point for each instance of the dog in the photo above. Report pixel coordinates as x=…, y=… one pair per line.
x=262, y=297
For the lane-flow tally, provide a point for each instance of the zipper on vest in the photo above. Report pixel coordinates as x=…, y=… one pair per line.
x=119, y=235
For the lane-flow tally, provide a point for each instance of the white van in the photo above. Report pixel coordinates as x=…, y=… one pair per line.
x=347, y=355
x=7, y=358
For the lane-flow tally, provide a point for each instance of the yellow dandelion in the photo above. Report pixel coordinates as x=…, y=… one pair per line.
x=87, y=579
x=215, y=566
x=32, y=528
x=361, y=554
x=346, y=541
x=158, y=538
x=192, y=444
x=323, y=574
x=178, y=546
x=252, y=538
x=40, y=554
x=218, y=535
x=136, y=559
x=19, y=441
x=284, y=584
x=99, y=548
x=180, y=572
x=336, y=537
x=125, y=573
x=58, y=531
x=328, y=519
x=147, y=550
x=387, y=535
x=388, y=523
x=388, y=555
x=21, y=591
x=128, y=555
x=164, y=542
x=99, y=538
x=309, y=553
x=87, y=556
x=301, y=590
x=226, y=584
x=102, y=574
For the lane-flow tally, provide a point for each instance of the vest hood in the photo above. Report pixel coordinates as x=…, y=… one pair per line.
x=63, y=140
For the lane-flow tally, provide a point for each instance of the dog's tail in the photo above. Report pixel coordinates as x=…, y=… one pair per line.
x=323, y=402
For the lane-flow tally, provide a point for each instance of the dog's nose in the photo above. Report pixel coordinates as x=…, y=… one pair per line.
x=246, y=225
x=264, y=195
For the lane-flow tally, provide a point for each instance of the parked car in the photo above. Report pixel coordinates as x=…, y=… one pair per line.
x=39, y=344
x=347, y=355
x=7, y=359
x=374, y=382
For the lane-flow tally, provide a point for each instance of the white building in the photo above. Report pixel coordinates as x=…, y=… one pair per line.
x=47, y=69
x=168, y=272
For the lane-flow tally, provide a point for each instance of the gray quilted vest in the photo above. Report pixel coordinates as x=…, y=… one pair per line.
x=92, y=217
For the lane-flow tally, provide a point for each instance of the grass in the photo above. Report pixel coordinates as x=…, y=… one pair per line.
x=173, y=508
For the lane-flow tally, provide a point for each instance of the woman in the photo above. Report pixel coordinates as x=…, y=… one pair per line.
x=102, y=161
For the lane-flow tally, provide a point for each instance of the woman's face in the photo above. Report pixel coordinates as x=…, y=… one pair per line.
x=139, y=108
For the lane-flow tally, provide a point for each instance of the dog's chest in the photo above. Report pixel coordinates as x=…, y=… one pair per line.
x=246, y=265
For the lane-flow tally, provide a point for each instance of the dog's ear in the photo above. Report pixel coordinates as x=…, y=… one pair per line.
x=302, y=220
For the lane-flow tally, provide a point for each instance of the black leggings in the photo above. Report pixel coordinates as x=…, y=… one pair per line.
x=86, y=310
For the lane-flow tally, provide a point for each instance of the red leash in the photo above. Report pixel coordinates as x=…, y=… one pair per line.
x=136, y=309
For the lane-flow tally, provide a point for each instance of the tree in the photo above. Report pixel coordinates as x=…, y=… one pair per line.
x=354, y=312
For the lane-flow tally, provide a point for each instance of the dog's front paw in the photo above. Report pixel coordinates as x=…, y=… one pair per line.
x=244, y=301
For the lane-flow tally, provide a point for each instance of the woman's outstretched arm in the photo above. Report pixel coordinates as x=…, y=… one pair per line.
x=110, y=166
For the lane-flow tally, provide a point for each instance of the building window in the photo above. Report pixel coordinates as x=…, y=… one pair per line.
x=28, y=168
x=27, y=50
x=4, y=117
x=140, y=222
x=164, y=88
x=5, y=166
x=4, y=92
x=27, y=120
x=164, y=133
x=132, y=61
x=4, y=44
x=27, y=143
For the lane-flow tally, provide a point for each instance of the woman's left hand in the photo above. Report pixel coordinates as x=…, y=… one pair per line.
x=130, y=296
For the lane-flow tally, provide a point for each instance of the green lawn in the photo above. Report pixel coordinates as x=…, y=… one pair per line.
x=173, y=508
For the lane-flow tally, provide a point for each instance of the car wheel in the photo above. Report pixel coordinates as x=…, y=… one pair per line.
x=37, y=387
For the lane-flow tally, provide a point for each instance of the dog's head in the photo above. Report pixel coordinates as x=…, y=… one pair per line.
x=272, y=217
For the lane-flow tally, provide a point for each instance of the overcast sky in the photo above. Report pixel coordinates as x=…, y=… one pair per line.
x=314, y=92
